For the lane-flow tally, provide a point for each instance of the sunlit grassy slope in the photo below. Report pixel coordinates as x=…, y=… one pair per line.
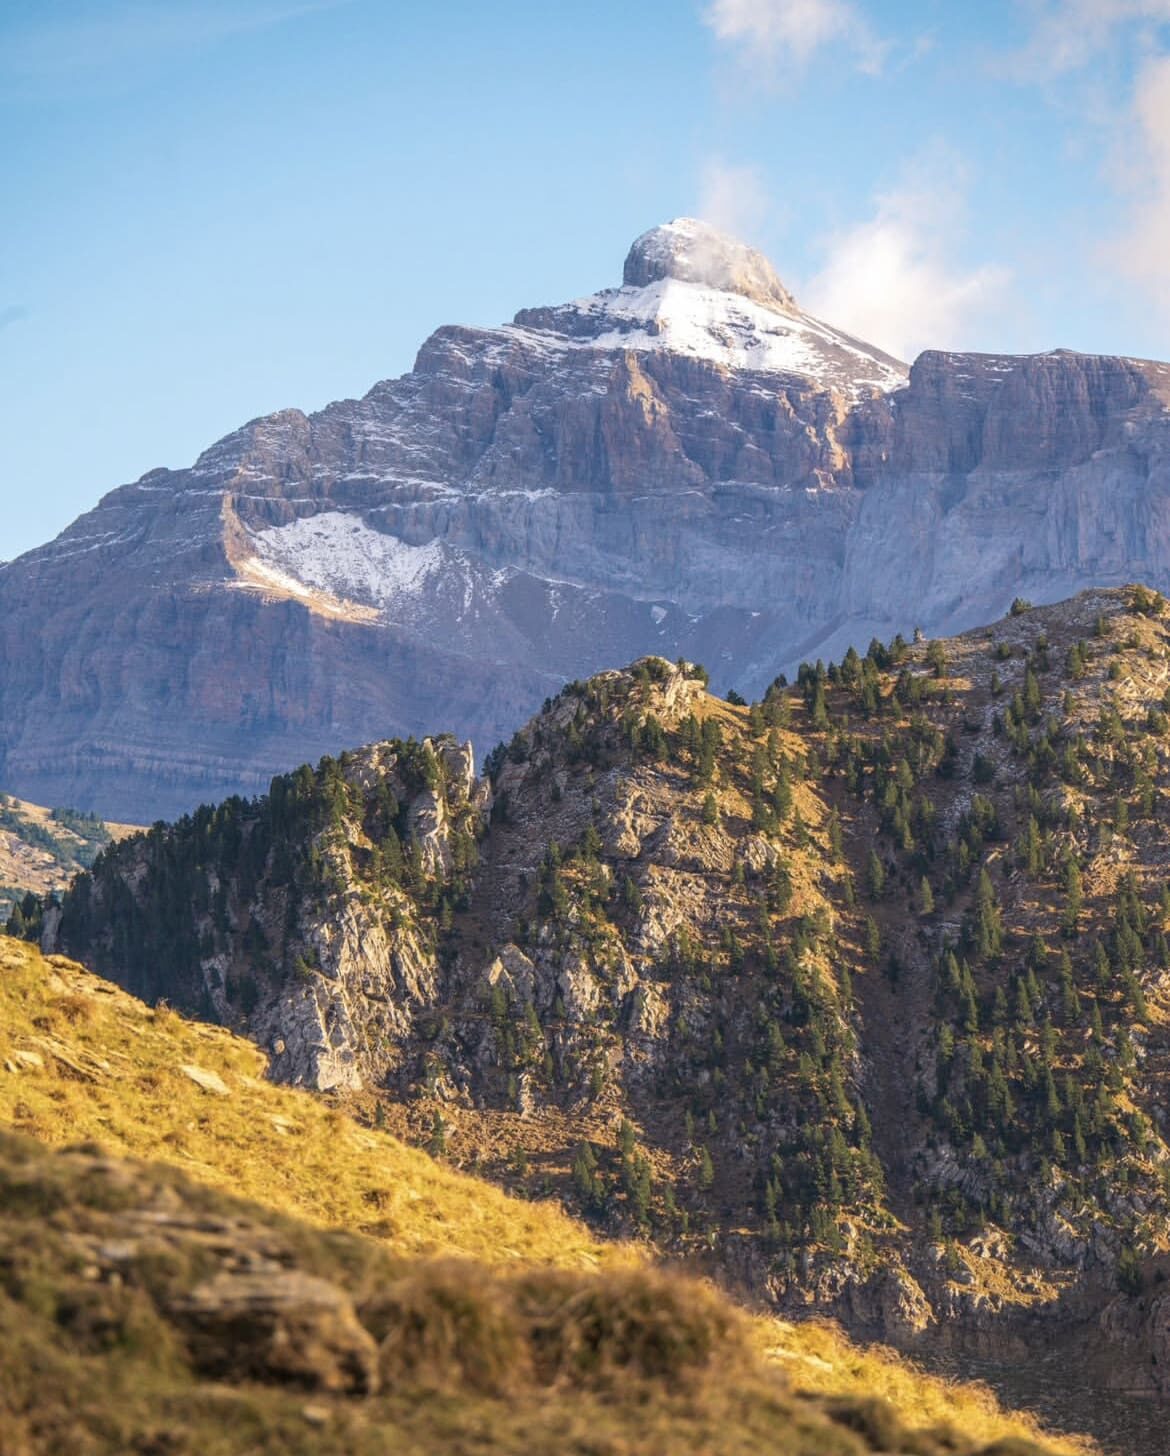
x=82, y=1060
x=83, y=1063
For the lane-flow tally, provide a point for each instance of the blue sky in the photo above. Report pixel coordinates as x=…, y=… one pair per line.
x=215, y=208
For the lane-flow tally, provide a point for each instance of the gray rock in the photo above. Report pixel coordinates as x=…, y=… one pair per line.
x=278, y=1326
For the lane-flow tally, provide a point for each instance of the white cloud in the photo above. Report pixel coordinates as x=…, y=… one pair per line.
x=1068, y=34
x=1141, y=251
x=891, y=280
x=789, y=32
x=1076, y=36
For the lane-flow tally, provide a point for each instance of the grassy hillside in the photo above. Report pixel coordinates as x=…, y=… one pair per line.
x=140, y=1311
x=83, y=1061
x=207, y=1298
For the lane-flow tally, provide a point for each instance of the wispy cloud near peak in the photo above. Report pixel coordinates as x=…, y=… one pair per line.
x=1141, y=249
x=734, y=198
x=892, y=278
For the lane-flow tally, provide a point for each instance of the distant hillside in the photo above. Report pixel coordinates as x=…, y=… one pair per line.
x=42, y=849
x=859, y=994
x=272, y=1275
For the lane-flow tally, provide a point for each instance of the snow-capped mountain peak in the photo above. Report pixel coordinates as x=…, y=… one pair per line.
x=694, y=252
x=691, y=290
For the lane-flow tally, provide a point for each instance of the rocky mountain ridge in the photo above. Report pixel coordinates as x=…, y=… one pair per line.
x=687, y=465
x=858, y=994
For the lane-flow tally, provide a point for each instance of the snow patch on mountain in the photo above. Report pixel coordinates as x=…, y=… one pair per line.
x=690, y=290
x=339, y=554
x=719, y=327
x=737, y=333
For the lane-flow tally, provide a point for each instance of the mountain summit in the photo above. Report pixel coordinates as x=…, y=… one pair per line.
x=691, y=290
x=694, y=252
x=687, y=464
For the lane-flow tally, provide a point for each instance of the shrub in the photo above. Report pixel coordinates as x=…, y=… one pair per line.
x=628, y=1324
x=437, y=1327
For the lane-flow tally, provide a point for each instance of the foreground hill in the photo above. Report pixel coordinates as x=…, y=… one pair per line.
x=857, y=995
x=688, y=464
x=145, y=1307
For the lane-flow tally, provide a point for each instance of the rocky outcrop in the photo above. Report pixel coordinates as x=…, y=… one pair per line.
x=277, y=1326
x=687, y=464
x=308, y=918
x=693, y=252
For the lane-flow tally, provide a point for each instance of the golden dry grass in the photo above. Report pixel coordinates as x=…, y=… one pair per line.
x=110, y=1071
x=81, y=1061
x=104, y=1261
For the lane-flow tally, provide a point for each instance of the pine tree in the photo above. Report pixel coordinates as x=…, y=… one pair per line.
x=835, y=847
x=819, y=709
x=875, y=875
x=1070, y=1001
x=437, y=1143
x=999, y=1008
x=1102, y=968
x=1030, y=848
x=873, y=939
x=988, y=920
x=585, y=1176
x=1052, y=1105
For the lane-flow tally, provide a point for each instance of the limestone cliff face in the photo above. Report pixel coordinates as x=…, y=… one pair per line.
x=687, y=464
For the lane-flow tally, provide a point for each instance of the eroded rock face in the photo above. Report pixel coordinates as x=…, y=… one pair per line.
x=670, y=933
x=687, y=464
